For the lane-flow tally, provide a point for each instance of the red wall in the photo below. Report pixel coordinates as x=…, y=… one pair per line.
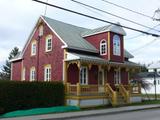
x=16, y=70
x=124, y=77
x=73, y=74
x=93, y=75
x=96, y=39
x=113, y=57
x=54, y=57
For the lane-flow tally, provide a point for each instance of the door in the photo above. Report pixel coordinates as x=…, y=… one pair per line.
x=117, y=77
x=101, y=77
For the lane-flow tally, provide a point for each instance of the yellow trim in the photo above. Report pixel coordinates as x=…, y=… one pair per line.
x=47, y=66
x=86, y=97
x=109, y=47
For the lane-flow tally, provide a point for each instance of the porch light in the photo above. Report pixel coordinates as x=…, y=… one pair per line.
x=156, y=15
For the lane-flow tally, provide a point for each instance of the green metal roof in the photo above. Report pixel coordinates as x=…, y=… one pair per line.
x=71, y=35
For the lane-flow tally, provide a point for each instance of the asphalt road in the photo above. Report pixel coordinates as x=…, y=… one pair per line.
x=152, y=114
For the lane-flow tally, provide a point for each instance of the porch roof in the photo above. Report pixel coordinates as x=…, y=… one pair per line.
x=97, y=60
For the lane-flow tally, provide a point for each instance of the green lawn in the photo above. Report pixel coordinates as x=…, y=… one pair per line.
x=151, y=95
x=147, y=102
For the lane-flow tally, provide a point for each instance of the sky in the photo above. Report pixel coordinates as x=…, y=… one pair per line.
x=18, y=18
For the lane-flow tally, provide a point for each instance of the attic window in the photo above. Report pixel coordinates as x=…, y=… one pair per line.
x=103, y=47
x=49, y=43
x=41, y=30
x=33, y=48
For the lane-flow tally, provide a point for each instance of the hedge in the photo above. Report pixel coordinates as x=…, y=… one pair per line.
x=16, y=95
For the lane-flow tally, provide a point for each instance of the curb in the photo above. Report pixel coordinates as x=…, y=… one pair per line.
x=103, y=113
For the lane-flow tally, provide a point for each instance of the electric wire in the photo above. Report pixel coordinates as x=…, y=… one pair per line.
x=95, y=18
x=113, y=15
x=128, y=9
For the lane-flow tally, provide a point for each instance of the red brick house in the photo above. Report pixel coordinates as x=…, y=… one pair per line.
x=92, y=63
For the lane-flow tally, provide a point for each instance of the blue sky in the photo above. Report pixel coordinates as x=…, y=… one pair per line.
x=19, y=16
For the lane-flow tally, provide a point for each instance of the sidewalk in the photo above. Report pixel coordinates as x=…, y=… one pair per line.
x=106, y=111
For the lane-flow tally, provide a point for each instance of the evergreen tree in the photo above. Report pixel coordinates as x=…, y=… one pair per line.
x=6, y=69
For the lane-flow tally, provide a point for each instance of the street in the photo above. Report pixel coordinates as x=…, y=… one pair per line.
x=153, y=114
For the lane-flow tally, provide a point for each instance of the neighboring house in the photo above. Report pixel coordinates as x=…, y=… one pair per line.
x=92, y=63
x=150, y=78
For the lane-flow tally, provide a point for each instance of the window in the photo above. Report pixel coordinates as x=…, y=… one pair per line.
x=33, y=48
x=32, y=74
x=116, y=45
x=23, y=74
x=103, y=47
x=41, y=30
x=84, y=76
x=117, y=77
x=47, y=73
x=48, y=43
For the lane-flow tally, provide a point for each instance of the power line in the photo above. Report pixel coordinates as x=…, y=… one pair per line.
x=140, y=34
x=113, y=15
x=143, y=46
x=95, y=18
x=128, y=9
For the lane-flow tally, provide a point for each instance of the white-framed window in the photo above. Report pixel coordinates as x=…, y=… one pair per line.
x=48, y=43
x=33, y=48
x=41, y=30
x=47, y=73
x=103, y=47
x=116, y=45
x=83, y=75
x=32, y=74
x=117, y=77
x=23, y=74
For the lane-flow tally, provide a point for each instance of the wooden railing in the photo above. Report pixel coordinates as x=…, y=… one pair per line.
x=112, y=94
x=124, y=93
x=133, y=88
x=81, y=89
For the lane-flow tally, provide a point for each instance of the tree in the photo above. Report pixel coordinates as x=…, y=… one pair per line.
x=6, y=69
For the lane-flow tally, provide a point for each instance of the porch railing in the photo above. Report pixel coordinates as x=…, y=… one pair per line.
x=125, y=93
x=78, y=89
x=133, y=88
x=112, y=94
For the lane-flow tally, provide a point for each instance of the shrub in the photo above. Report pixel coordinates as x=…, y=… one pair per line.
x=16, y=95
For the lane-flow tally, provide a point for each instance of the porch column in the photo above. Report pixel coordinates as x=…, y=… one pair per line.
x=65, y=64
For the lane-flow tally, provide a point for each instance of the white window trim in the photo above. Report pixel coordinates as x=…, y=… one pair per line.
x=46, y=44
x=32, y=74
x=101, y=44
x=32, y=49
x=23, y=74
x=82, y=81
x=40, y=30
x=116, y=49
x=117, y=78
x=47, y=67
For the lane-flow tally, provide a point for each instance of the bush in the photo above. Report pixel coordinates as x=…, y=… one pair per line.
x=25, y=95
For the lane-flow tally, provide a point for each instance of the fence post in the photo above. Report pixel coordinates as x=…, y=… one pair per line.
x=78, y=89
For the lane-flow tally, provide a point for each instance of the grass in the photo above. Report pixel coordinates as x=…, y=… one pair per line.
x=146, y=102
x=151, y=95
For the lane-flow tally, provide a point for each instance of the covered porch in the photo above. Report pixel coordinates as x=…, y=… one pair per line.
x=93, y=78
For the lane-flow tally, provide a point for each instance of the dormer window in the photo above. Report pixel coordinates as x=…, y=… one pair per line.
x=41, y=30
x=48, y=43
x=103, y=47
x=116, y=45
x=33, y=48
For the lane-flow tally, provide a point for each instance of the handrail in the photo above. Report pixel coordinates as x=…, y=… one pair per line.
x=112, y=94
x=124, y=93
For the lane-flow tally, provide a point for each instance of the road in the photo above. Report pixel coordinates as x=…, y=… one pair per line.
x=153, y=114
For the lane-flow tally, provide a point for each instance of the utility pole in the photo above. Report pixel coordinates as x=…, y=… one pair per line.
x=155, y=84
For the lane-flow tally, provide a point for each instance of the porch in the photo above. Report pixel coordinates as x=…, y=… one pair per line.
x=92, y=81
x=123, y=94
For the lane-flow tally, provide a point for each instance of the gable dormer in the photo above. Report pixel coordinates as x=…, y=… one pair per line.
x=108, y=40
